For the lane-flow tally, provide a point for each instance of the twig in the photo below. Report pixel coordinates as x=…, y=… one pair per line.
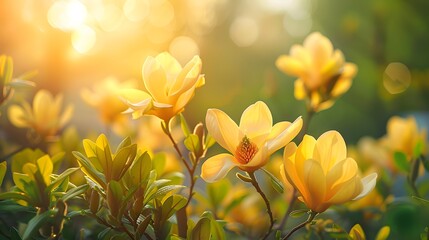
x=310, y=218
x=267, y=203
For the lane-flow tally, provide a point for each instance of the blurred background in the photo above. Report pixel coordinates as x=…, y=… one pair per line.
x=75, y=44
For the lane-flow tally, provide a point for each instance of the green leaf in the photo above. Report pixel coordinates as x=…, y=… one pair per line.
x=418, y=149
x=37, y=222
x=114, y=197
x=298, y=213
x=14, y=235
x=140, y=169
x=201, y=230
x=15, y=196
x=243, y=178
x=171, y=205
x=216, y=229
x=45, y=166
x=184, y=125
x=217, y=191
x=6, y=69
x=277, y=185
x=3, y=168
x=425, y=162
x=210, y=141
x=57, y=180
x=401, y=161
x=192, y=143
x=19, y=83
x=75, y=192
x=25, y=156
x=122, y=161
x=125, y=143
x=89, y=169
x=166, y=189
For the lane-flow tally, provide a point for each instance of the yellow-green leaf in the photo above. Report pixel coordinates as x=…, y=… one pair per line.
x=114, y=197
x=6, y=69
x=45, y=167
x=383, y=234
x=201, y=230
x=123, y=160
x=3, y=167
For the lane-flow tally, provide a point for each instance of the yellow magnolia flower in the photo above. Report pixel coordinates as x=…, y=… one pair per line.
x=322, y=173
x=169, y=87
x=322, y=72
x=250, y=144
x=104, y=97
x=403, y=135
x=45, y=118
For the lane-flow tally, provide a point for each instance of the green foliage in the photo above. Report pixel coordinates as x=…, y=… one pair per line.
x=401, y=161
x=3, y=168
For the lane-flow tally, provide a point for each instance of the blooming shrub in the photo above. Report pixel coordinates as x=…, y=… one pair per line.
x=148, y=185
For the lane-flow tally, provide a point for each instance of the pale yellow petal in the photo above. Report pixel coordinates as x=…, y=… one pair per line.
x=299, y=90
x=18, y=117
x=320, y=49
x=282, y=133
x=306, y=147
x=290, y=65
x=291, y=171
x=341, y=172
x=315, y=182
x=223, y=129
x=301, y=54
x=368, y=183
x=42, y=99
x=256, y=120
x=330, y=149
x=347, y=191
x=188, y=77
x=155, y=79
x=134, y=98
x=333, y=66
x=345, y=81
x=171, y=66
x=216, y=167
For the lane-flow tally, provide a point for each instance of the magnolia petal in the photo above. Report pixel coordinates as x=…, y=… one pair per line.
x=17, y=116
x=301, y=54
x=345, y=81
x=155, y=79
x=299, y=90
x=188, y=77
x=341, y=172
x=40, y=111
x=161, y=105
x=282, y=133
x=290, y=65
x=216, y=167
x=325, y=105
x=347, y=191
x=170, y=65
x=315, y=181
x=306, y=148
x=256, y=120
x=368, y=183
x=330, y=149
x=290, y=169
x=320, y=49
x=223, y=129
x=184, y=98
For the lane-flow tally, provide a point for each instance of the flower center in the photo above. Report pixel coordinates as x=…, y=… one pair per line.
x=245, y=151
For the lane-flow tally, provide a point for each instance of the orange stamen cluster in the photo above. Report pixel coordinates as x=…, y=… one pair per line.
x=246, y=150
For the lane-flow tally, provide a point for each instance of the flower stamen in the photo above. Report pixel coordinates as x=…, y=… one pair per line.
x=246, y=150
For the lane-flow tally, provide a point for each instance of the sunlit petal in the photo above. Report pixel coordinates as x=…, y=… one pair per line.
x=330, y=148
x=216, y=167
x=282, y=133
x=223, y=129
x=368, y=183
x=256, y=120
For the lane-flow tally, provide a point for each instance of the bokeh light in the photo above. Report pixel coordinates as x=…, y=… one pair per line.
x=244, y=31
x=396, y=78
x=183, y=49
x=67, y=14
x=83, y=39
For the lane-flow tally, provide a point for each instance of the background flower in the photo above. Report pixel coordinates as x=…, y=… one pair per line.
x=322, y=72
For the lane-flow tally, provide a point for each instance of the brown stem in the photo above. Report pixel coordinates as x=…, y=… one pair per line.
x=310, y=218
x=181, y=214
x=267, y=203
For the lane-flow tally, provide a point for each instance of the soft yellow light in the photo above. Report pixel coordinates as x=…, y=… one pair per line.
x=396, y=78
x=183, y=49
x=67, y=15
x=136, y=10
x=109, y=17
x=83, y=39
x=161, y=13
x=244, y=31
